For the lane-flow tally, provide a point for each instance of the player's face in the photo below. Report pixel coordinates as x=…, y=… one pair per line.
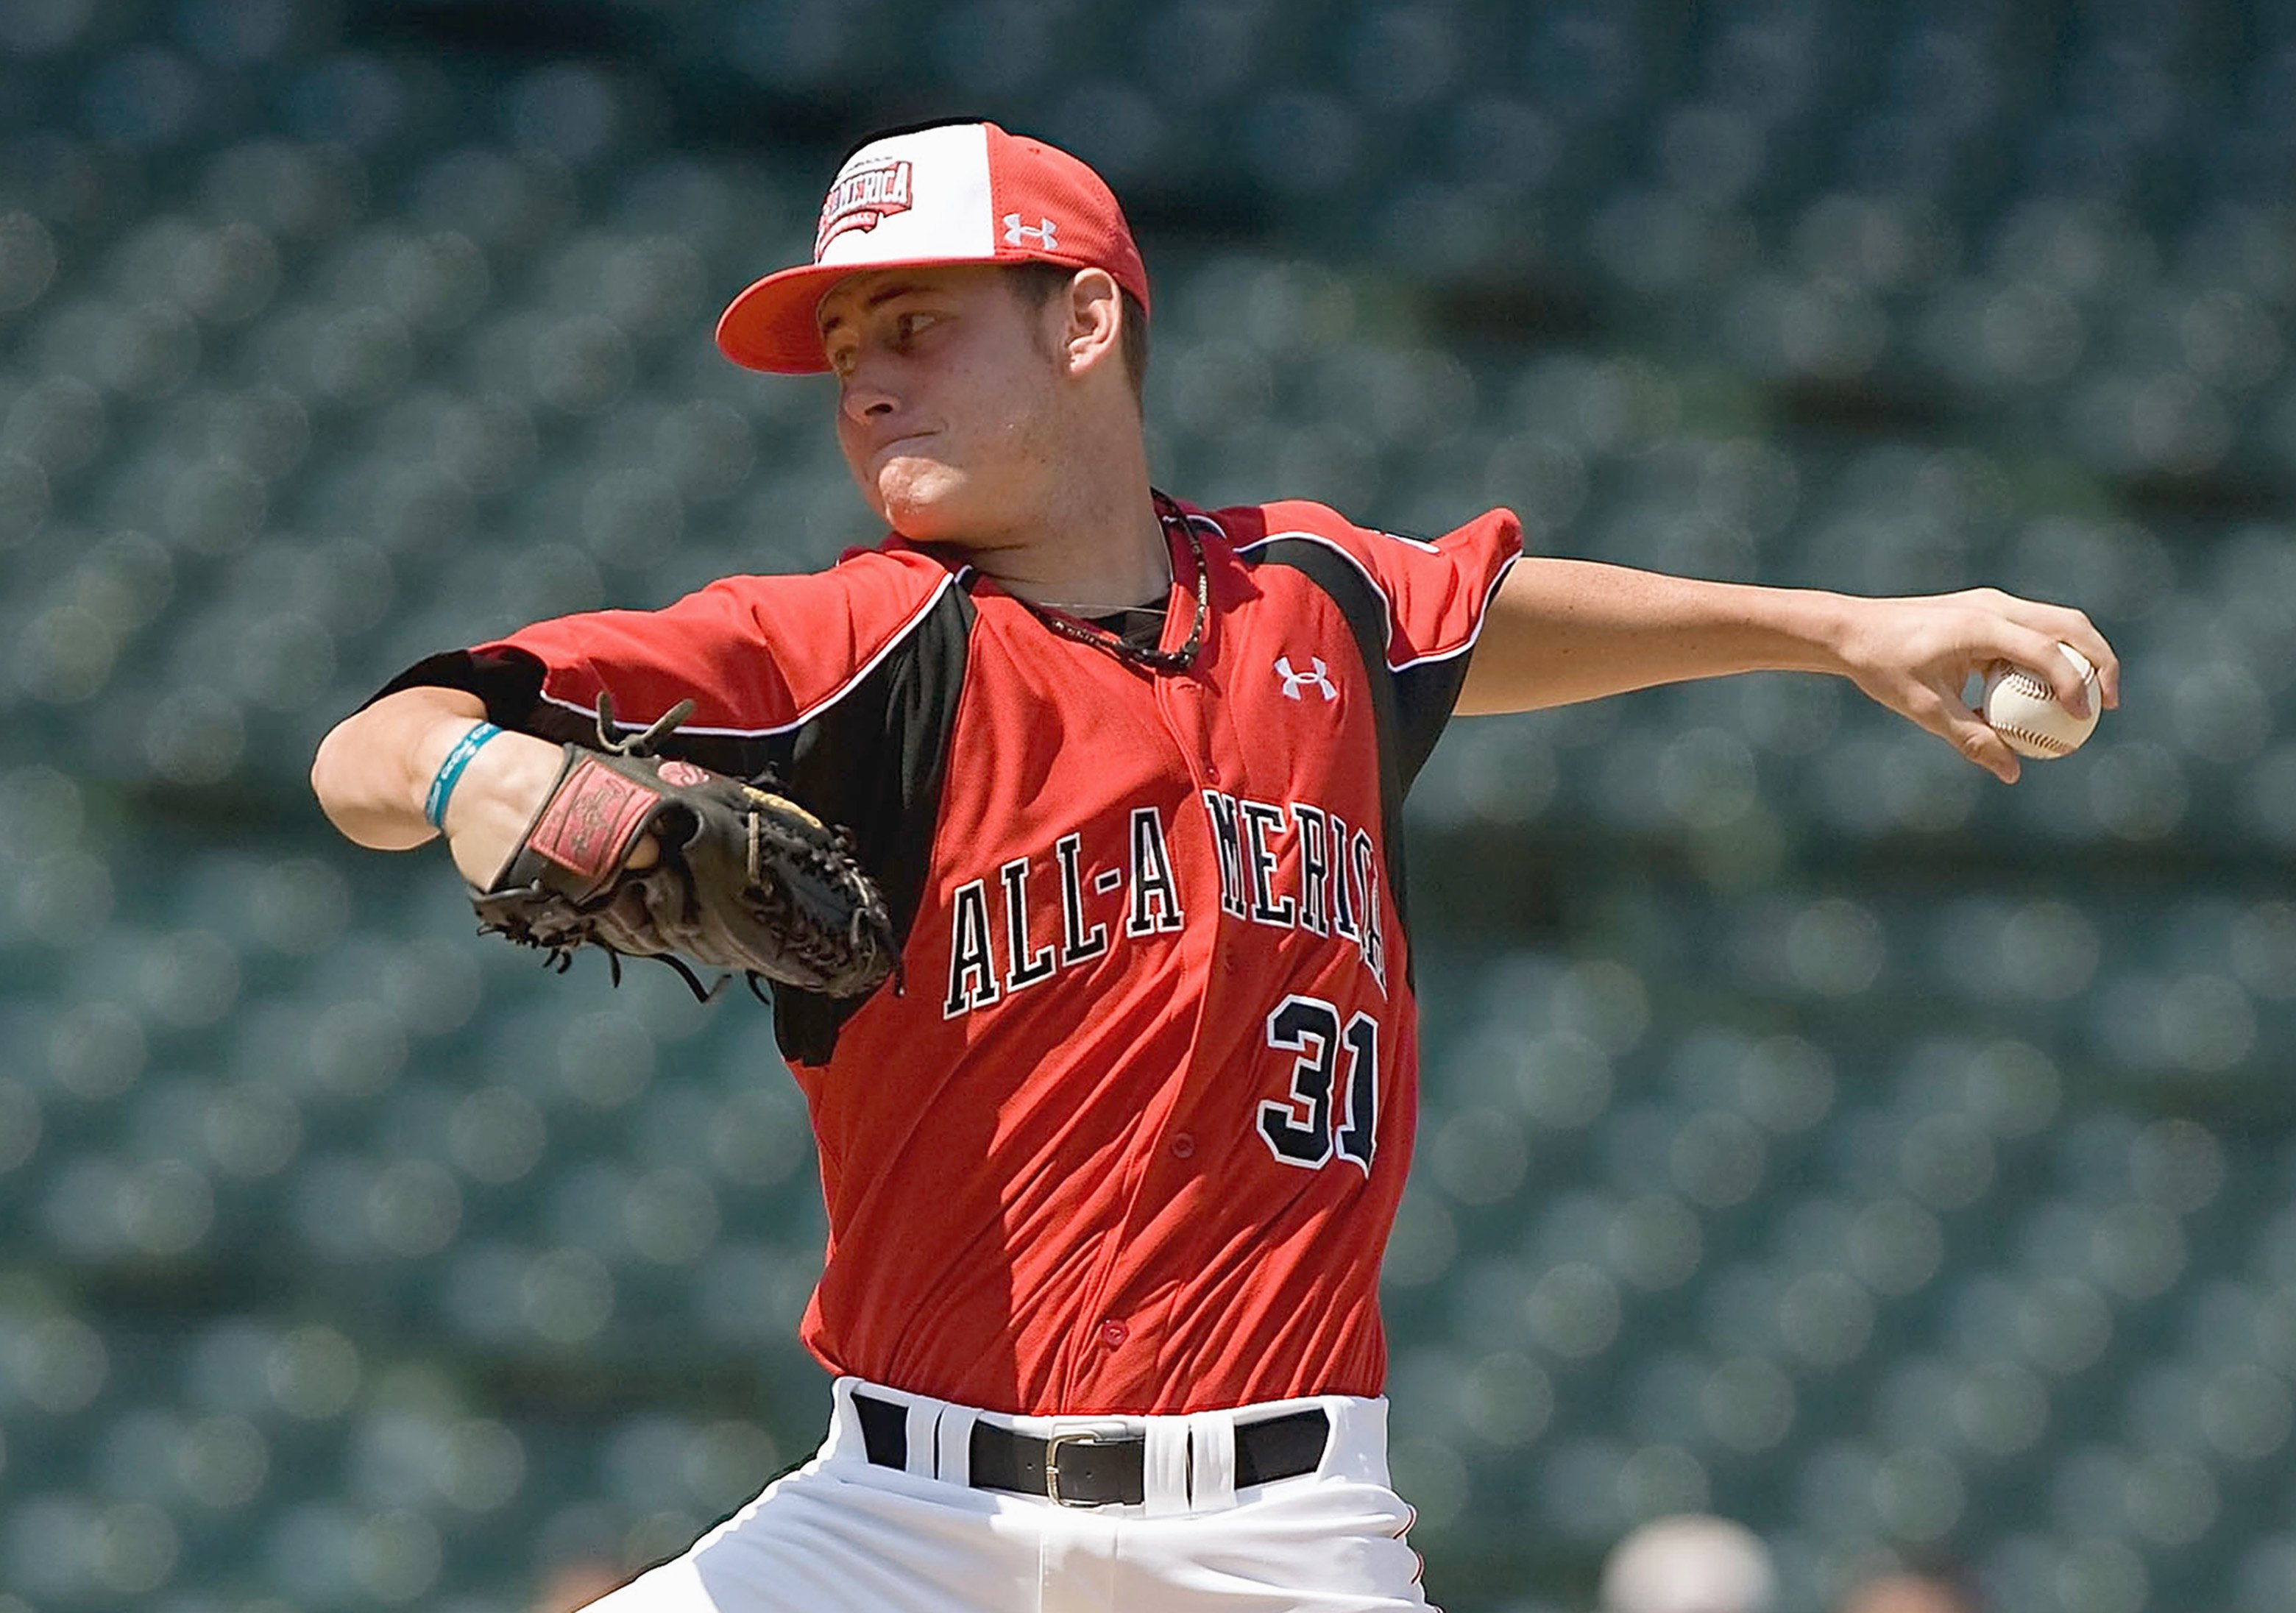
x=947, y=398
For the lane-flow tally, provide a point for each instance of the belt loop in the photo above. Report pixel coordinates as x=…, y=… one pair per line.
x=1211, y=1449
x=923, y=1444
x=844, y=1436
x=954, y=1440
x=1164, y=1466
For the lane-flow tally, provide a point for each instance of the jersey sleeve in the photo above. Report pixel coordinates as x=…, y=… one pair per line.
x=844, y=685
x=759, y=656
x=1434, y=590
x=1427, y=602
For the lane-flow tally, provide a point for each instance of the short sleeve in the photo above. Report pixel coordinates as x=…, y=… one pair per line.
x=1438, y=589
x=1417, y=603
x=758, y=656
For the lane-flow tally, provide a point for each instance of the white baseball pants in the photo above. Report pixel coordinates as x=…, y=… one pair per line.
x=842, y=1534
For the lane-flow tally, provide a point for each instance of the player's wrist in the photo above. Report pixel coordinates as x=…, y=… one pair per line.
x=1812, y=630
x=430, y=760
x=502, y=787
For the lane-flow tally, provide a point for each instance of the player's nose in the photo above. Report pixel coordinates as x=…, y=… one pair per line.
x=865, y=392
x=863, y=399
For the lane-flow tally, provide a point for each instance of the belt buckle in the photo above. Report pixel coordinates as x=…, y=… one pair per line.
x=1053, y=1444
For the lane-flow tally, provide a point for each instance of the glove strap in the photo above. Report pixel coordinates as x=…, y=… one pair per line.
x=590, y=822
x=450, y=772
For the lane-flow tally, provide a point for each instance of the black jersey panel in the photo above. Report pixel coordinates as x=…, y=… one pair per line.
x=1426, y=694
x=509, y=680
x=875, y=763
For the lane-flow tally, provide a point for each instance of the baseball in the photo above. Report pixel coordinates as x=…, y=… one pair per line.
x=2024, y=710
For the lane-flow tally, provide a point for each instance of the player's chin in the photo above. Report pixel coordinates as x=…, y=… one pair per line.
x=922, y=498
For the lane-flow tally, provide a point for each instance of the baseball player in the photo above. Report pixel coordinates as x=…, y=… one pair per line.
x=1110, y=1168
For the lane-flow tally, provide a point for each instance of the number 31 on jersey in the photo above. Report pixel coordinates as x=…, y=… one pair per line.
x=1323, y=1117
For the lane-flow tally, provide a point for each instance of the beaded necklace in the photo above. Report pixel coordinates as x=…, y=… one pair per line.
x=1115, y=643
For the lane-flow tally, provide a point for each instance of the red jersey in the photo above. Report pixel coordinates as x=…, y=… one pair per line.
x=1131, y=1138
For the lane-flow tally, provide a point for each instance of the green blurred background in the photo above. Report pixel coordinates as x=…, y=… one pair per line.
x=1814, y=1131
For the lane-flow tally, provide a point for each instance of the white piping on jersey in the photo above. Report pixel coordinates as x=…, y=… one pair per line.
x=827, y=701
x=1386, y=607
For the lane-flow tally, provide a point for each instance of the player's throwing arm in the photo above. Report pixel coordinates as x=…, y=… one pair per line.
x=1562, y=631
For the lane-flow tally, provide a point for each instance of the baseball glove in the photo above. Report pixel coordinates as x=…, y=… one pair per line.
x=746, y=881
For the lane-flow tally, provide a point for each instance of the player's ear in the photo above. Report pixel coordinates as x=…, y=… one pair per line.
x=1094, y=322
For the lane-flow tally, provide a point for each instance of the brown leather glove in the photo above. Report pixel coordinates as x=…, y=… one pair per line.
x=747, y=881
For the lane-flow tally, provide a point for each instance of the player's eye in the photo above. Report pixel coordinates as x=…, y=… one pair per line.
x=905, y=326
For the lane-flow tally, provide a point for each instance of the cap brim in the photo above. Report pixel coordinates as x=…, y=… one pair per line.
x=772, y=326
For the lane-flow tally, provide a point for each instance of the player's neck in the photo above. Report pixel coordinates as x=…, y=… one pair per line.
x=1098, y=548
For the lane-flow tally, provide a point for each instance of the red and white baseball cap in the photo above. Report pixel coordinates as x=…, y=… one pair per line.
x=956, y=193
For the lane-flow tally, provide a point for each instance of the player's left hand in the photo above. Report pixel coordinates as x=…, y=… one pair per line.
x=652, y=857
x=1916, y=655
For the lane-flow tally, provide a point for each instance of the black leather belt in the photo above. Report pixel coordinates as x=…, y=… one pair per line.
x=1095, y=1470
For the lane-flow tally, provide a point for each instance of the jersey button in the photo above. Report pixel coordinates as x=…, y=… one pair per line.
x=1183, y=1146
x=1113, y=1334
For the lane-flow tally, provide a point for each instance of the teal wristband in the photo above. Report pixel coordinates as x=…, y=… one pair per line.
x=450, y=772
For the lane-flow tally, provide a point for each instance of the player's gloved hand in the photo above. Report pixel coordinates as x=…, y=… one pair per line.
x=1916, y=655
x=651, y=857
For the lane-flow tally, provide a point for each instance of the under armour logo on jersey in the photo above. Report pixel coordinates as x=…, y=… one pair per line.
x=1318, y=679
x=1017, y=234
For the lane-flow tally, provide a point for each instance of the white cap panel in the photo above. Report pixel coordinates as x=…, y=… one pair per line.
x=920, y=195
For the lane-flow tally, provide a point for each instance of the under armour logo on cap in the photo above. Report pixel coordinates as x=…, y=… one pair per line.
x=953, y=194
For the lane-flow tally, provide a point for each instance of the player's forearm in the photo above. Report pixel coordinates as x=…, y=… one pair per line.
x=374, y=771
x=1561, y=631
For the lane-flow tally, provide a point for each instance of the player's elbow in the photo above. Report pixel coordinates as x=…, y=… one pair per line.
x=331, y=783
x=347, y=779
x=327, y=769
